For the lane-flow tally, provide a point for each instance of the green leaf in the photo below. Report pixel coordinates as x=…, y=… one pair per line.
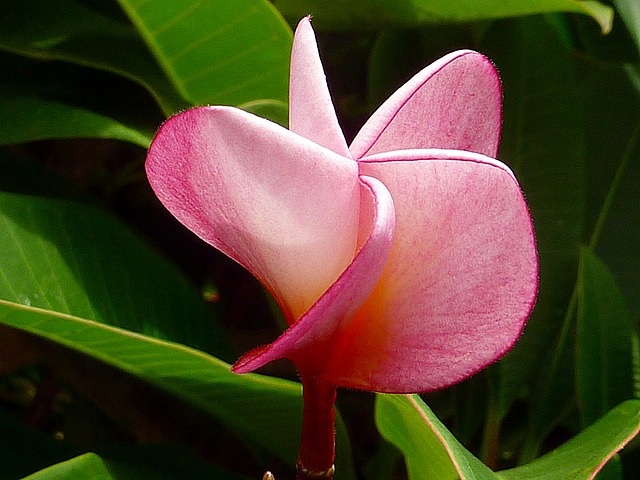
x=35, y=118
x=66, y=266
x=629, y=10
x=130, y=462
x=582, y=457
x=430, y=450
x=613, y=470
x=46, y=100
x=79, y=260
x=91, y=466
x=176, y=384
x=162, y=462
x=343, y=14
x=604, y=369
x=88, y=466
x=69, y=31
x=217, y=52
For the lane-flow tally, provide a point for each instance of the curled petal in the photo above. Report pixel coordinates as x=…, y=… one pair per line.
x=264, y=196
x=308, y=341
x=311, y=111
x=454, y=103
x=460, y=281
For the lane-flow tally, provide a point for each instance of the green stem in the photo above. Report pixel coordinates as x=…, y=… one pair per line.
x=491, y=435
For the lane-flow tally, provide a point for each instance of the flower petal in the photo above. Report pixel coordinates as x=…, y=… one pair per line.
x=311, y=111
x=454, y=103
x=460, y=281
x=307, y=342
x=264, y=196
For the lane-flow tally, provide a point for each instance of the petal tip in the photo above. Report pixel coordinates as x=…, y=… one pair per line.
x=250, y=361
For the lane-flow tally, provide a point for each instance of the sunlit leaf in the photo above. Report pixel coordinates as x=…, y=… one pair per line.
x=582, y=457
x=430, y=450
x=163, y=385
x=77, y=259
x=49, y=100
x=217, y=52
x=91, y=466
x=35, y=118
x=88, y=466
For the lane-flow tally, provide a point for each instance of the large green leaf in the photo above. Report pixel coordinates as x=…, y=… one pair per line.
x=217, y=51
x=88, y=466
x=345, y=14
x=46, y=100
x=36, y=118
x=431, y=451
x=69, y=31
x=66, y=266
x=604, y=370
x=582, y=457
x=205, y=52
x=166, y=466
x=174, y=384
x=77, y=259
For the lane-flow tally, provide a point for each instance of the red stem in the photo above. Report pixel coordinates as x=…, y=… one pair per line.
x=317, y=445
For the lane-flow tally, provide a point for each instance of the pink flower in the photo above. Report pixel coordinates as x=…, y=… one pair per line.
x=404, y=262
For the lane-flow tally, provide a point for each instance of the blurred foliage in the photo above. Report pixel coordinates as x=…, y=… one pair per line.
x=115, y=322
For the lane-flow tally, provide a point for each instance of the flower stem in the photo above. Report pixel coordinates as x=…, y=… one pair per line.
x=317, y=445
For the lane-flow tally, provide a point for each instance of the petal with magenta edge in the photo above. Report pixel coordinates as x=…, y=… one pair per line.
x=460, y=281
x=308, y=341
x=311, y=110
x=262, y=195
x=455, y=103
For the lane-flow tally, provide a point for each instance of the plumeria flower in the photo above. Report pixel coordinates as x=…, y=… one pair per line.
x=404, y=262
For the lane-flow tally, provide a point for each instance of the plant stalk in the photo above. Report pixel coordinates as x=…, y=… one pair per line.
x=318, y=440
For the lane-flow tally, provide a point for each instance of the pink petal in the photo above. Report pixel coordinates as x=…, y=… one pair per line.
x=308, y=341
x=268, y=198
x=454, y=103
x=460, y=281
x=311, y=111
